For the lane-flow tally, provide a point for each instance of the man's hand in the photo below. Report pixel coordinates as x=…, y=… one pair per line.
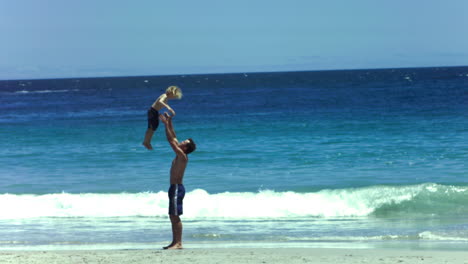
x=165, y=118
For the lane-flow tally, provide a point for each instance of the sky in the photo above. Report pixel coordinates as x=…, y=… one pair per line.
x=96, y=38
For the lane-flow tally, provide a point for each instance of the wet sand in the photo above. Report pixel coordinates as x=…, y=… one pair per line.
x=228, y=256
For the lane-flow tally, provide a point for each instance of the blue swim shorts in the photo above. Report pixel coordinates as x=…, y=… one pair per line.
x=176, y=197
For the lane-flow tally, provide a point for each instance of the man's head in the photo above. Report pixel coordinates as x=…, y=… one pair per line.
x=188, y=146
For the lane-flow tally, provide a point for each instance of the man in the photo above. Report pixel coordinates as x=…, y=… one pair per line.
x=176, y=190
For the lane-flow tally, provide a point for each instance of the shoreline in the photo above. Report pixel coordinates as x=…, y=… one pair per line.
x=435, y=246
x=237, y=255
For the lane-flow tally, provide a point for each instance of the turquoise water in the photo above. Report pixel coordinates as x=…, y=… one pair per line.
x=346, y=158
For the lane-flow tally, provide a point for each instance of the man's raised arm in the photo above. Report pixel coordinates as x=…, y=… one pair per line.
x=171, y=128
x=167, y=120
x=170, y=134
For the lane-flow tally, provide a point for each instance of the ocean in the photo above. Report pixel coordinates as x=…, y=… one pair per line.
x=346, y=158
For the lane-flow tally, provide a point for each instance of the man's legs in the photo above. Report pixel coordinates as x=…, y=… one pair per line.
x=176, y=233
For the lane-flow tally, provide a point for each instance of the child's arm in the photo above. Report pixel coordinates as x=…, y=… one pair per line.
x=168, y=108
x=161, y=100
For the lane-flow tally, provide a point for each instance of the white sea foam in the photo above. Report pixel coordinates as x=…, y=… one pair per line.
x=427, y=235
x=45, y=91
x=81, y=205
x=200, y=204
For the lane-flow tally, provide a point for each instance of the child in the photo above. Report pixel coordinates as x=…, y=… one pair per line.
x=172, y=92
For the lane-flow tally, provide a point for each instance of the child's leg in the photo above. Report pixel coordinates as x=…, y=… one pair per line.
x=148, y=135
x=153, y=123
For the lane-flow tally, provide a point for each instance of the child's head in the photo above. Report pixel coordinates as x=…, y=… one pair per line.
x=174, y=92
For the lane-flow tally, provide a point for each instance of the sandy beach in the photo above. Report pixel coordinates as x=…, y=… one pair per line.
x=207, y=256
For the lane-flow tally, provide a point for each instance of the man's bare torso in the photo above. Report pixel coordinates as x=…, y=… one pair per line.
x=178, y=169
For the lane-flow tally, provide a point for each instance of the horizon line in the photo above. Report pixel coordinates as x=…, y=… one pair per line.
x=228, y=73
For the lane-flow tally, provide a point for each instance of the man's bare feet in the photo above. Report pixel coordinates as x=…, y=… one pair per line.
x=147, y=145
x=174, y=246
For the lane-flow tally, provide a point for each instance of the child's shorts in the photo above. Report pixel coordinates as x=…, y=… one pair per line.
x=153, y=118
x=176, y=196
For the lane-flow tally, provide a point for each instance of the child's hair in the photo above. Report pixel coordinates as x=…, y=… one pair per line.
x=176, y=91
